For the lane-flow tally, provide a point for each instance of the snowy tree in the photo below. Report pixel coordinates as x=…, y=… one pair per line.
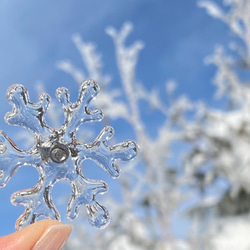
x=218, y=164
x=150, y=185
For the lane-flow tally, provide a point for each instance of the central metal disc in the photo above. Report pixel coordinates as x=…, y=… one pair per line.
x=59, y=153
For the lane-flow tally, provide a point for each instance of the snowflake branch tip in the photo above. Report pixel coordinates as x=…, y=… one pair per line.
x=98, y=215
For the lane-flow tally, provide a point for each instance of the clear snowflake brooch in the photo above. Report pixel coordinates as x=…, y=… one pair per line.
x=57, y=155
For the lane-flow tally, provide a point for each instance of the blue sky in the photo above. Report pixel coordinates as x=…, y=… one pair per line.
x=36, y=34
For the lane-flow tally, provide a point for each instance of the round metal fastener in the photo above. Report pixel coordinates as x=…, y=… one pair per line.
x=59, y=153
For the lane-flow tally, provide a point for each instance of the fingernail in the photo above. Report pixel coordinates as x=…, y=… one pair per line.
x=53, y=238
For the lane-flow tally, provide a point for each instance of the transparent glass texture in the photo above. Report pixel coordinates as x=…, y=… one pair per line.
x=58, y=155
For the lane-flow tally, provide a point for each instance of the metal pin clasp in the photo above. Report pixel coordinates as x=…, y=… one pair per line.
x=59, y=153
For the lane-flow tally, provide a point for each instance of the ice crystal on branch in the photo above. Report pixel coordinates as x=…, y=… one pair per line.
x=57, y=154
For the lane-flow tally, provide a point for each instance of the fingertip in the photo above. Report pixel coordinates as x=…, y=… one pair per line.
x=54, y=238
x=37, y=235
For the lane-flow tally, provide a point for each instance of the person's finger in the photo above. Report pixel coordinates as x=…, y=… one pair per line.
x=42, y=235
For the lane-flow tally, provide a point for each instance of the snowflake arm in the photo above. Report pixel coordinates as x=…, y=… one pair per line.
x=105, y=155
x=78, y=113
x=37, y=202
x=24, y=113
x=84, y=192
x=11, y=158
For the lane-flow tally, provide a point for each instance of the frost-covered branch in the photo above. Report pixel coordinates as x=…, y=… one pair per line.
x=149, y=185
x=236, y=17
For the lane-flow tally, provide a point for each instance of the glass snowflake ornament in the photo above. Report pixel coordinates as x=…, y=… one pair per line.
x=57, y=155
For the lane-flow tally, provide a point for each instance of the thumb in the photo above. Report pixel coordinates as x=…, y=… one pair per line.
x=42, y=235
